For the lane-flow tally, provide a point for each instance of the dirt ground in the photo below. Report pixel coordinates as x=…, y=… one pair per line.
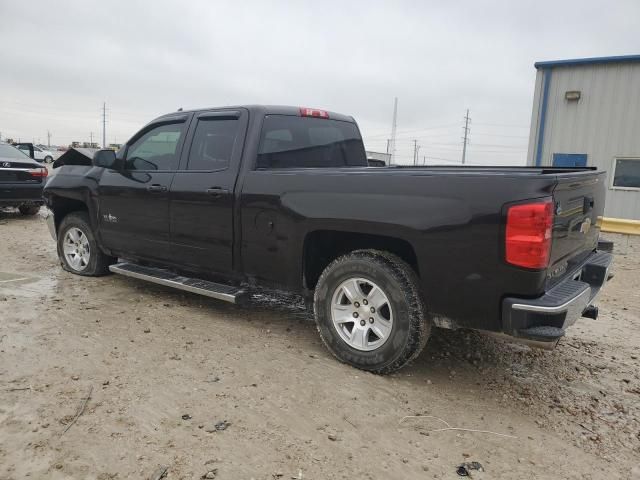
x=166, y=370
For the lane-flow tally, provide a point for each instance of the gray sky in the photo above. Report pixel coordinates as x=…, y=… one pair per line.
x=61, y=60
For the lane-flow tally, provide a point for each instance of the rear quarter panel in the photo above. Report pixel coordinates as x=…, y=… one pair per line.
x=452, y=221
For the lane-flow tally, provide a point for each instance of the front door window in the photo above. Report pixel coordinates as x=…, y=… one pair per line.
x=155, y=150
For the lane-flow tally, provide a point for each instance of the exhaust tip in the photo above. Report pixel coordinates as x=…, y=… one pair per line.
x=591, y=312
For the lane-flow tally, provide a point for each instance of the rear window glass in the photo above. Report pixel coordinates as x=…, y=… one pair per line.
x=289, y=141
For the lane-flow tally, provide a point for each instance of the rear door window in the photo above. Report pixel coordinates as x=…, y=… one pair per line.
x=212, y=144
x=289, y=141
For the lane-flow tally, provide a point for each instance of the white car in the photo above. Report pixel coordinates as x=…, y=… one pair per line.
x=40, y=152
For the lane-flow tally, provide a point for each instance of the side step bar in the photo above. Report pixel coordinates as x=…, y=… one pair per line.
x=170, y=279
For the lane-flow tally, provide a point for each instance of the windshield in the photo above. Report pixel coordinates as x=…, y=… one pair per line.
x=9, y=151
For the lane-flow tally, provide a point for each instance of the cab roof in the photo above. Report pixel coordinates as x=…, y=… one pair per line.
x=260, y=110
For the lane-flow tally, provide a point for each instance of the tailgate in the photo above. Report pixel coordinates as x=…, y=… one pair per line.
x=579, y=202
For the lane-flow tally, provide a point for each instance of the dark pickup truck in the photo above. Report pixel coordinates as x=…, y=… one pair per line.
x=217, y=201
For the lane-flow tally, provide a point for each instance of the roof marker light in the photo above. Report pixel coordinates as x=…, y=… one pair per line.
x=313, y=112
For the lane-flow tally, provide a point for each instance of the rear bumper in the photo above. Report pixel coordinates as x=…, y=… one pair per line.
x=546, y=318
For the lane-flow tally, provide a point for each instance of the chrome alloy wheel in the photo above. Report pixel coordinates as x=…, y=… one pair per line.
x=361, y=314
x=76, y=249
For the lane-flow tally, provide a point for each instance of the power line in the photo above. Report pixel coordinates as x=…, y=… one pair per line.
x=409, y=136
x=501, y=125
x=415, y=130
x=45, y=109
x=482, y=134
x=493, y=145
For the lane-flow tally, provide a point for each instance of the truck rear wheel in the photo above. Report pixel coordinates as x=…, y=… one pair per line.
x=369, y=311
x=78, y=249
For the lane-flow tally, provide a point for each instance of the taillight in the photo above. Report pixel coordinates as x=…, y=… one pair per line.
x=528, y=234
x=39, y=172
x=313, y=112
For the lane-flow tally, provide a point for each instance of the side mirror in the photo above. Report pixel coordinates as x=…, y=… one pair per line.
x=104, y=158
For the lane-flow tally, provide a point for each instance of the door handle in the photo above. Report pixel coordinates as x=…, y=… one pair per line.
x=217, y=191
x=156, y=188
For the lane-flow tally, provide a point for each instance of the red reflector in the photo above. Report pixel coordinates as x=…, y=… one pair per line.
x=39, y=172
x=313, y=112
x=528, y=234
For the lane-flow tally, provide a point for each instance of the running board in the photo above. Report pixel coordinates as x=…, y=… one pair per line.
x=170, y=279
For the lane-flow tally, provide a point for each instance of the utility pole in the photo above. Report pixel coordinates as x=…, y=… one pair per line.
x=416, y=148
x=104, y=124
x=392, y=142
x=48, y=139
x=388, y=142
x=91, y=138
x=466, y=136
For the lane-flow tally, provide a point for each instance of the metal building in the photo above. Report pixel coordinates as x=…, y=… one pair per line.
x=587, y=112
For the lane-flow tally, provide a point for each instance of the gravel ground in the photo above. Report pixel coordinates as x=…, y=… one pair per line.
x=213, y=390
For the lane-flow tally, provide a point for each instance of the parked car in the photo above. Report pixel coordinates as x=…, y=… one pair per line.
x=374, y=162
x=216, y=201
x=37, y=152
x=21, y=180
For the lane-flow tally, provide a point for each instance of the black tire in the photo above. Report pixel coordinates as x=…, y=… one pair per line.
x=411, y=325
x=98, y=263
x=48, y=159
x=29, y=210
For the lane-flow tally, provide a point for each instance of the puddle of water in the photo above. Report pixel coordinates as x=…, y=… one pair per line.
x=9, y=277
x=24, y=285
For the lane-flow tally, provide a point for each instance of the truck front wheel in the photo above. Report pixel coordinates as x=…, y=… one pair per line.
x=78, y=249
x=369, y=311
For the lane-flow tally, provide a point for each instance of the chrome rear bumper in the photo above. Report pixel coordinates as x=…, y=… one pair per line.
x=547, y=317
